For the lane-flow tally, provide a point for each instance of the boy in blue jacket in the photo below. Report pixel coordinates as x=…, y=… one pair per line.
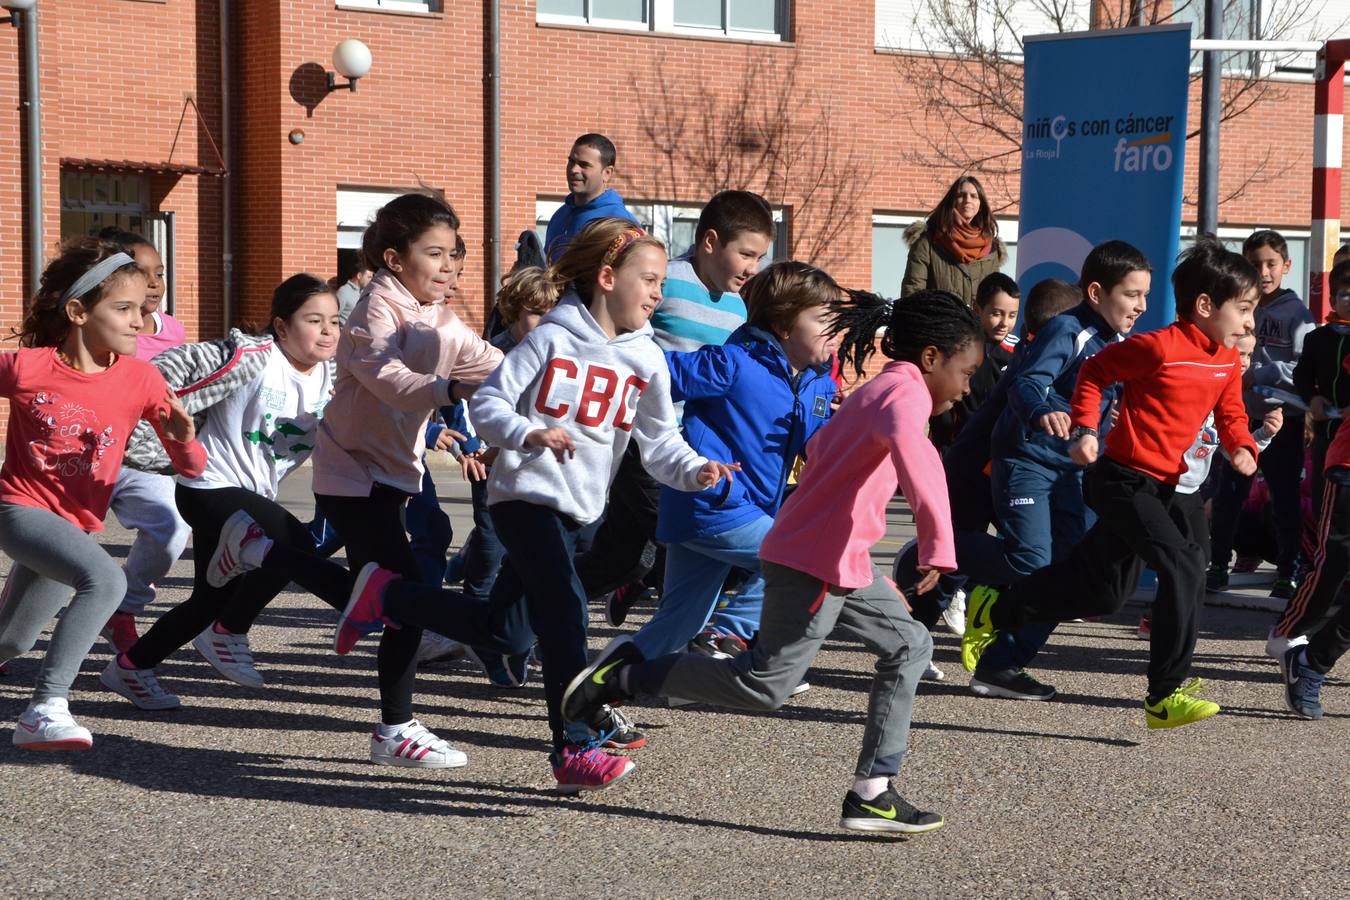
x=1037, y=488
x=757, y=400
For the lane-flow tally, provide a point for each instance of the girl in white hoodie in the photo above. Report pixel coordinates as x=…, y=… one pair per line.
x=562, y=408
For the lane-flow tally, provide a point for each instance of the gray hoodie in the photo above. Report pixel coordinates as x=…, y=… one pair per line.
x=567, y=373
x=1281, y=326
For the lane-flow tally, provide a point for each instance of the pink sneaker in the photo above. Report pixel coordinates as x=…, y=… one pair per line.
x=585, y=767
x=365, y=610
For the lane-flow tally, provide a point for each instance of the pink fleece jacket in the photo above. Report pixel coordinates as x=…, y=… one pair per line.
x=395, y=362
x=872, y=445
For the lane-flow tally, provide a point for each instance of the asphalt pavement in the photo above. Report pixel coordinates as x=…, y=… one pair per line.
x=268, y=792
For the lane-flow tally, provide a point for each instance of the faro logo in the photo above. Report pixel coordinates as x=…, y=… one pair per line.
x=1150, y=154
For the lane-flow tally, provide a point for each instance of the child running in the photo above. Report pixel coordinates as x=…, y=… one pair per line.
x=1172, y=379
x=757, y=399
x=816, y=559
x=76, y=391
x=399, y=358
x=996, y=303
x=561, y=408
x=262, y=399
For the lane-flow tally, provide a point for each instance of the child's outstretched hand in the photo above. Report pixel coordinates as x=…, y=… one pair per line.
x=448, y=438
x=928, y=578
x=556, y=439
x=1273, y=421
x=472, y=468
x=174, y=419
x=1084, y=450
x=1243, y=462
x=713, y=472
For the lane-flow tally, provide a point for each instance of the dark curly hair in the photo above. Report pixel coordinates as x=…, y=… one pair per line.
x=925, y=319
x=46, y=323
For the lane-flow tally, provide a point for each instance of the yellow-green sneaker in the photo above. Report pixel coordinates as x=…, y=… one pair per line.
x=979, y=632
x=1181, y=707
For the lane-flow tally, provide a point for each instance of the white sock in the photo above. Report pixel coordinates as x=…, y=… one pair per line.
x=255, y=551
x=391, y=730
x=871, y=788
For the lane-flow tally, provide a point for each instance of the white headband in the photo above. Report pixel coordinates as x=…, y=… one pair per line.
x=96, y=276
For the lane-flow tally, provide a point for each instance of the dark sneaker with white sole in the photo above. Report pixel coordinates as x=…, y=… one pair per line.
x=598, y=683
x=889, y=812
x=1010, y=684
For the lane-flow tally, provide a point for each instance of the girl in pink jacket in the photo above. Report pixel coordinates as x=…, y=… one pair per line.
x=400, y=357
x=816, y=559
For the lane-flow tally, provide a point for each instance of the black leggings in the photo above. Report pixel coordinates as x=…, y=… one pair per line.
x=373, y=528
x=292, y=558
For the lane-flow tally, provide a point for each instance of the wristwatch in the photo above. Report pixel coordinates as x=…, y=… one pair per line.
x=1081, y=431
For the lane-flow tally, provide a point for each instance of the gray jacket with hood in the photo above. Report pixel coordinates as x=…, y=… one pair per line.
x=1281, y=326
x=567, y=373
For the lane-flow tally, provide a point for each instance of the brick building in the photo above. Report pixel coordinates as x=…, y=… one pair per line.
x=813, y=102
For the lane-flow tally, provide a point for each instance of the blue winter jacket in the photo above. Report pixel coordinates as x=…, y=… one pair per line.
x=568, y=221
x=741, y=404
x=1045, y=383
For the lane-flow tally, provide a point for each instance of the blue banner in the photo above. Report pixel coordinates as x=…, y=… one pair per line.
x=1103, y=144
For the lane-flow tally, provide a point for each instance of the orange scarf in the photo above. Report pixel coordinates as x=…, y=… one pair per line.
x=964, y=242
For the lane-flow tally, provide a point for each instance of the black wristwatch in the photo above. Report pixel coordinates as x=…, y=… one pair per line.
x=1081, y=431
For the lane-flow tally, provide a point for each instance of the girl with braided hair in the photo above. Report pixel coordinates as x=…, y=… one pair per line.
x=816, y=559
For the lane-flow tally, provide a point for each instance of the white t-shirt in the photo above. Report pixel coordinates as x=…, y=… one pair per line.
x=258, y=434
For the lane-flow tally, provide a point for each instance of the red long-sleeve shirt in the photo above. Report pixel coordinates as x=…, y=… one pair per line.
x=1173, y=378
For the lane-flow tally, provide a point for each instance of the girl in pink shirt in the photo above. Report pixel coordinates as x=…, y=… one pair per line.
x=76, y=391
x=816, y=559
x=403, y=354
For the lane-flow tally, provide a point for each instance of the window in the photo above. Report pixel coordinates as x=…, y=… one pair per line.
x=410, y=6
x=1240, y=18
x=941, y=25
x=673, y=224
x=890, y=251
x=751, y=19
x=356, y=208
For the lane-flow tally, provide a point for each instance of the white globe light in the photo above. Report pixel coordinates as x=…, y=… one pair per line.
x=352, y=59
x=20, y=5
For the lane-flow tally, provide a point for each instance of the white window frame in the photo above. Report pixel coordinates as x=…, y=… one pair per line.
x=401, y=6
x=661, y=20
x=355, y=209
x=984, y=25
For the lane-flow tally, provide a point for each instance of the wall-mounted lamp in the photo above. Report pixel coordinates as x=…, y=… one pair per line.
x=16, y=6
x=351, y=58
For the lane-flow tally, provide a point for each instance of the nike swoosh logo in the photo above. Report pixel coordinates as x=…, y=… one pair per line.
x=1157, y=715
x=982, y=615
x=884, y=813
x=31, y=729
x=599, y=675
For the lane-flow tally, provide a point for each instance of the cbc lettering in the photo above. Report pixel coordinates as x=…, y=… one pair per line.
x=602, y=395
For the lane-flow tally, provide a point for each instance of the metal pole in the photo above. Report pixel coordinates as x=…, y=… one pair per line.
x=494, y=217
x=33, y=146
x=226, y=189
x=1137, y=13
x=1211, y=104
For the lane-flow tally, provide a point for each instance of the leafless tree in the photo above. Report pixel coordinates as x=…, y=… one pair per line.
x=964, y=60
x=772, y=134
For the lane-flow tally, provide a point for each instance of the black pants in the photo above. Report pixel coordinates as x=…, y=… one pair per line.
x=373, y=529
x=239, y=602
x=1139, y=522
x=1330, y=561
x=1282, y=464
x=624, y=549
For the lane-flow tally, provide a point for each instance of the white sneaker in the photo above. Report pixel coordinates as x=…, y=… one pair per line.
x=1277, y=646
x=933, y=673
x=954, y=616
x=413, y=746
x=49, y=726
x=140, y=686
x=436, y=647
x=230, y=655
x=236, y=535
x=801, y=688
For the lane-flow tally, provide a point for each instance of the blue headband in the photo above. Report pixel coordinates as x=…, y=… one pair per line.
x=96, y=276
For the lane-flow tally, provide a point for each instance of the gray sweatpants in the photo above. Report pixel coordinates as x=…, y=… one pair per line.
x=51, y=556
x=800, y=611
x=144, y=503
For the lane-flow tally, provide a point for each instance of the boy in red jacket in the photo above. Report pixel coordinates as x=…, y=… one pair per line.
x=1172, y=379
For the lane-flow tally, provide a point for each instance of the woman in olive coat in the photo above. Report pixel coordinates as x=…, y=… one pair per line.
x=957, y=246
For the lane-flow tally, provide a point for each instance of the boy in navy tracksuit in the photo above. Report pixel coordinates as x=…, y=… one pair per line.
x=1037, y=488
x=757, y=400
x=1282, y=324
